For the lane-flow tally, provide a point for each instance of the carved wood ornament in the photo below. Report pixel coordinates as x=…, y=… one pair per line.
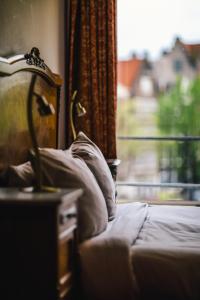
x=33, y=58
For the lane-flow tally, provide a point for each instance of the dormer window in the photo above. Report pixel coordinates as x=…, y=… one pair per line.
x=177, y=65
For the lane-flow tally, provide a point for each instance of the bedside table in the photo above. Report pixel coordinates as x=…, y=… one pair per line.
x=37, y=232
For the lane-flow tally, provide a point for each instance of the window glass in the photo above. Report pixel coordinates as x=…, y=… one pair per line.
x=158, y=124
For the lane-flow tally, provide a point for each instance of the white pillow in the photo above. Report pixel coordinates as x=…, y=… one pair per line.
x=83, y=147
x=61, y=169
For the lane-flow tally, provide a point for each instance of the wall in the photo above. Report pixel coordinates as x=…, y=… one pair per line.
x=39, y=23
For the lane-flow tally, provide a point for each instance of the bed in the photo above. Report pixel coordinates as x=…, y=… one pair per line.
x=147, y=252
x=125, y=251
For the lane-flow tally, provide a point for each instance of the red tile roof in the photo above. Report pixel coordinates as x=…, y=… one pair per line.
x=192, y=49
x=128, y=70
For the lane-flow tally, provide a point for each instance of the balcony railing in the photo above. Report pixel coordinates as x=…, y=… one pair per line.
x=179, y=185
x=160, y=138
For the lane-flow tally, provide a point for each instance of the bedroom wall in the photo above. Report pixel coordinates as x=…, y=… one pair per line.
x=39, y=23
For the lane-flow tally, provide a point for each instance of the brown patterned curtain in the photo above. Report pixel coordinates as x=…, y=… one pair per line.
x=92, y=69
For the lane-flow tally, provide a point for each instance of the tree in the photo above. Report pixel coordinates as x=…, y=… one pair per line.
x=179, y=114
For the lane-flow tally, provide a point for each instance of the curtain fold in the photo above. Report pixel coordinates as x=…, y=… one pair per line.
x=92, y=70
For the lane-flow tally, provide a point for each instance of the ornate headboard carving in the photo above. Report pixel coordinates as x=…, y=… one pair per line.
x=15, y=78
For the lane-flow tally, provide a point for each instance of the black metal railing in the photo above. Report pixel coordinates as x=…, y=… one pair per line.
x=160, y=138
x=189, y=186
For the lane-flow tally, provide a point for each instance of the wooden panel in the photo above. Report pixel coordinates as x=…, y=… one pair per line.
x=65, y=267
x=35, y=262
x=15, y=80
x=28, y=264
x=65, y=250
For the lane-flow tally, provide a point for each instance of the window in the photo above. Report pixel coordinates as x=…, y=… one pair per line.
x=158, y=125
x=177, y=65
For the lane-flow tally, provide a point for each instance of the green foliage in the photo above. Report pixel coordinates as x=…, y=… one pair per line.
x=129, y=124
x=178, y=114
x=126, y=123
x=126, y=126
x=179, y=109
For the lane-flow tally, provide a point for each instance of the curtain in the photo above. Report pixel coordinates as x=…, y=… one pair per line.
x=92, y=70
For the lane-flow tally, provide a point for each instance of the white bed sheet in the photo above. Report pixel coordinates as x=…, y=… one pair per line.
x=146, y=252
x=166, y=254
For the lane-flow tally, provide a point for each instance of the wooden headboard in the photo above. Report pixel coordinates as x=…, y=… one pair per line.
x=15, y=77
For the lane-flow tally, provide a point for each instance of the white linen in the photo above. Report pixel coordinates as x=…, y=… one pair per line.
x=166, y=254
x=147, y=251
x=171, y=225
x=106, y=269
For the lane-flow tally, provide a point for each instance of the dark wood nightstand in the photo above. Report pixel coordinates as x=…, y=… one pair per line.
x=36, y=244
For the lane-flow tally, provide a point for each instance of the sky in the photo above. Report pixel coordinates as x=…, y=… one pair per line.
x=152, y=25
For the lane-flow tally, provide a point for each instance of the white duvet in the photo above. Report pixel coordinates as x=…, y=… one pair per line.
x=147, y=252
